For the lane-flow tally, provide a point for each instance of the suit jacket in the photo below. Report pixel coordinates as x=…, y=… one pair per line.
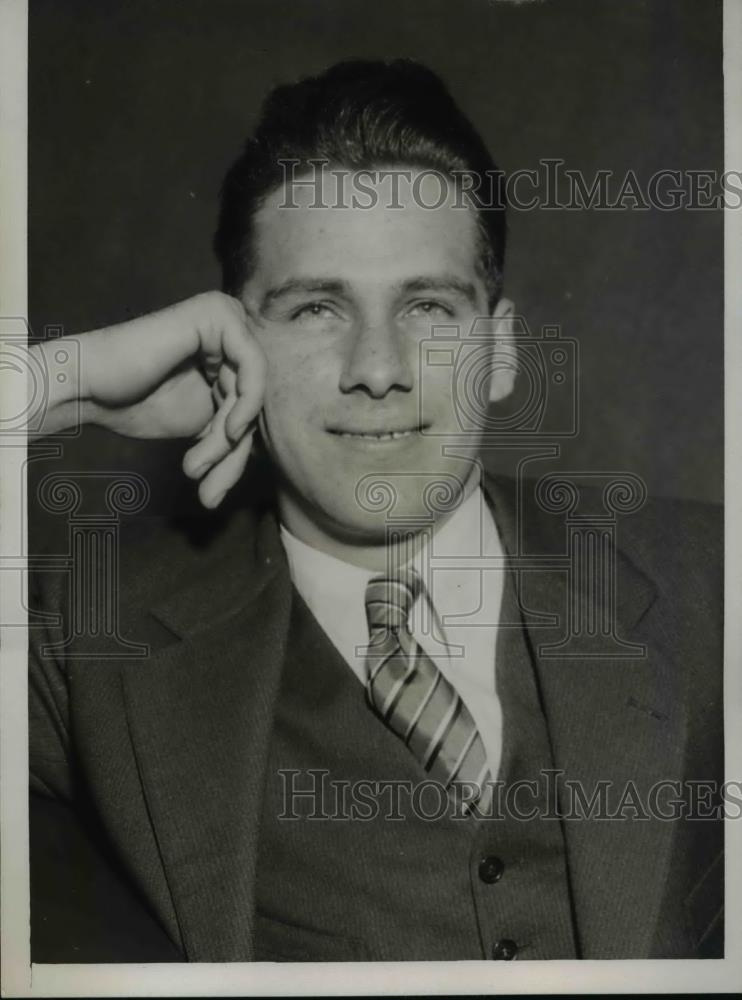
x=165, y=752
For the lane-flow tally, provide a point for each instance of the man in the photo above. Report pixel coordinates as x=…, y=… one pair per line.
x=372, y=627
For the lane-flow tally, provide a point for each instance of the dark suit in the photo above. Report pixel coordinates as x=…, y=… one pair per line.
x=168, y=752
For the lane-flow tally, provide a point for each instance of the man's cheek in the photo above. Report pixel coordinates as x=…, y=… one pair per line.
x=281, y=394
x=438, y=397
x=277, y=417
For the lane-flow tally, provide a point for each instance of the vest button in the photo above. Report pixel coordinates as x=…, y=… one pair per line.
x=505, y=950
x=491, y=869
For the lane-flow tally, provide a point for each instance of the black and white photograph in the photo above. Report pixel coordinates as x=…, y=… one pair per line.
x=365, y=506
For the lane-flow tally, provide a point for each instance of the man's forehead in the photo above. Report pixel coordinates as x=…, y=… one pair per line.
x=311, y=229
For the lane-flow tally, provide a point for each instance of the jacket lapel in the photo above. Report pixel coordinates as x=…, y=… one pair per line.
x=200, y=713
x=614, y=723
x=201, y=710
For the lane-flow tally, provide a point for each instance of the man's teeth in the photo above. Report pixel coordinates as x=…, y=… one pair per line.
x=392, y=436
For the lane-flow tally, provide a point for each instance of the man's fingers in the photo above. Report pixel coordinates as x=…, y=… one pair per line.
x=243, y=407
x=246, y=357
x=226, y=381
x=237, y=389
x=203, y=433
x=244, y=411
x=229, y=337
x=211, y=367
x=212, y=446
x=225, y=474
x=219, y=437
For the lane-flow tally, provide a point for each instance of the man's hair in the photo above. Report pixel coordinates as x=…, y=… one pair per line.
x=359, y=115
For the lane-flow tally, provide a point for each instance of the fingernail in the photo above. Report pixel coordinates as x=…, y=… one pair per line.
x=199, y=470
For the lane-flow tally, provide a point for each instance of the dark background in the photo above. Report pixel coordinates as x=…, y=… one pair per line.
x=136, y=108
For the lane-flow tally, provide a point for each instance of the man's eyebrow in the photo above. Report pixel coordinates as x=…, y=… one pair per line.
x=303, y=286
x=441, y=283
x=334, y=286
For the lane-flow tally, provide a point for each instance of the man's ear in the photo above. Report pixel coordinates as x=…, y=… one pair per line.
x=504, y=352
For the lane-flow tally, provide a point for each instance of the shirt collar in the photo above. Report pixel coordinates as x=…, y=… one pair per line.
x=328, y=584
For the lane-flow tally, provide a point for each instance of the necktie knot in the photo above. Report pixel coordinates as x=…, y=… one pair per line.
x=390, y=599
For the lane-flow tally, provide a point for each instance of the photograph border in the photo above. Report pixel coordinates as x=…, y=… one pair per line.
x=19, y=978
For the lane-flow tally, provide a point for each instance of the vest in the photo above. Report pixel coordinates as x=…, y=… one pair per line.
x=360, y=855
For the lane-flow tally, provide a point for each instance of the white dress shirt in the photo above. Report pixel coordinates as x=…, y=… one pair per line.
x=461, y=634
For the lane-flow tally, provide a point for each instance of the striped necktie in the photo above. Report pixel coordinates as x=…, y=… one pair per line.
x=410, y=694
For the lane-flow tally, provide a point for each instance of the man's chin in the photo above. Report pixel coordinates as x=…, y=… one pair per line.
x=375, y=509
x=370, y=539
x=380, y=517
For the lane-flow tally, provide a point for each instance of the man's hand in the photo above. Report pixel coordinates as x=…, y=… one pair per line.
x=193, y=369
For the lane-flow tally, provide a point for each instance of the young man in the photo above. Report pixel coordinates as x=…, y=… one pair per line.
x=255, y=787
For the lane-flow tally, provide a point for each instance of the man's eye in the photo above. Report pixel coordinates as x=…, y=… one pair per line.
x=313, y=310
x=430, y=308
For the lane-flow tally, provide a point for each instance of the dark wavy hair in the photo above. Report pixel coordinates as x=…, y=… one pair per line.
x=360, y=115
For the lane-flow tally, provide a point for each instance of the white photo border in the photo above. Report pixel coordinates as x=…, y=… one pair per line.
x=19, y=978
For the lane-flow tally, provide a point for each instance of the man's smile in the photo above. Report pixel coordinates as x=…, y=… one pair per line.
x=377, y=435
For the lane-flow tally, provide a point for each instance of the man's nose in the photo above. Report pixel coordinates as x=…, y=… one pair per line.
x=377, y=361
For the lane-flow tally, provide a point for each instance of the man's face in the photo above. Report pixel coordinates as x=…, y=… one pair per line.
x=354, y=417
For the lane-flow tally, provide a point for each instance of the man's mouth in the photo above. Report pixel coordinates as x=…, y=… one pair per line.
x=380, y=434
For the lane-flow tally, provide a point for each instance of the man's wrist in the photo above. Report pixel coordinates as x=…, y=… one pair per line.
x=63, y=389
